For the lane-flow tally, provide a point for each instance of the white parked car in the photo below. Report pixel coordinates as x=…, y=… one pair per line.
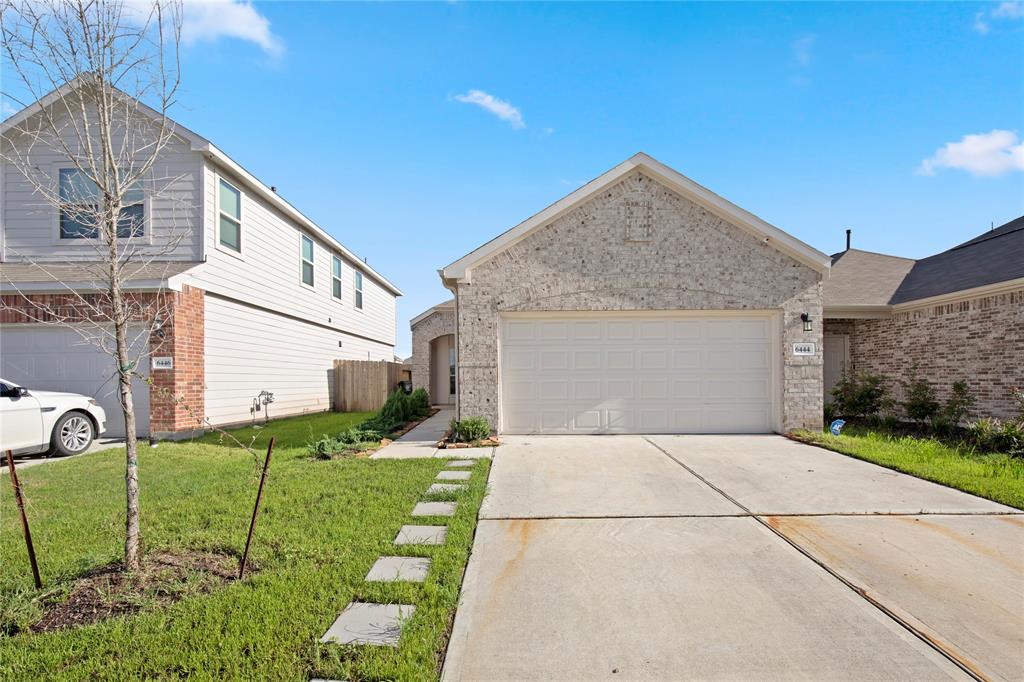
x=41, y=421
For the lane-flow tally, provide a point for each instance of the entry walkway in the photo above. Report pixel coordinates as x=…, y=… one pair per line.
x=422, y=441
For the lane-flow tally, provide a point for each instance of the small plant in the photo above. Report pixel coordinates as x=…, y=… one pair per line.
x=920, y=403
x=397, y=408
x=420, y=401
x=959, y=404
x=995, y=435
x=860, y=395
x=323, y=447
x=470, y=429
x=1018, y=398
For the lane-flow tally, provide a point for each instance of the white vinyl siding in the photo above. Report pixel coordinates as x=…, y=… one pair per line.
x=31, y=227
x=655, y=373
x=229, y=225
x=248, y=350
x=308, y=272
x=266, y=279
x=336, y=277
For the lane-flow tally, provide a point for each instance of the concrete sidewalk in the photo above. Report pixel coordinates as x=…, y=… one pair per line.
x=422, y=440
x=732, y=557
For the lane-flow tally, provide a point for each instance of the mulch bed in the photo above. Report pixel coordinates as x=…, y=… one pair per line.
x=447, y=443
x=109, y=592
x=406, y=428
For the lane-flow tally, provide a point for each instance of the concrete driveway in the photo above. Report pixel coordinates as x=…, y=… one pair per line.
x=732, y=558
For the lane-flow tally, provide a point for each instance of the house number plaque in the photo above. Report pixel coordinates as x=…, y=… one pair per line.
x=803, y=349
x=163, y=363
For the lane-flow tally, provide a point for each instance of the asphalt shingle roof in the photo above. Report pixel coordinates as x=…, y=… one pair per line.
x=864, y=278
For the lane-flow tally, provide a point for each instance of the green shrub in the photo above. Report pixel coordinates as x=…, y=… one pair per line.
x=996, y=435
x=420, y=401
x=358, y=434
x=323, y=447
x=397, y=408
x=860, y=394
x=920, y=403
x=470, y=429
x=959, y=404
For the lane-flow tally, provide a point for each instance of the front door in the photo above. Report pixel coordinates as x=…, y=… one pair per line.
x=837, y=360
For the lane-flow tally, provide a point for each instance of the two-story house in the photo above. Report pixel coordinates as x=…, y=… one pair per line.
x=257, y=297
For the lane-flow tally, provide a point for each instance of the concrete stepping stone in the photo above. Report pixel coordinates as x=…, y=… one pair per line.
x=399, y=568
x=454, y=475
x=376, y=624
x=421, y=535
x=434, y=509
x=436, y=488
x=460, y=463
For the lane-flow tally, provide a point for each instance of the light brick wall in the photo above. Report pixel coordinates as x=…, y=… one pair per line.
x=980, y=341
x=694, y=260
x=438, y=323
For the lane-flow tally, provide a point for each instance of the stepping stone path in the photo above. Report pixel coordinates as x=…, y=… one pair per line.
x=421, y=535
x=434, y=509
x=381, y=624
x=436, y=488
x=399, y=568
x=454, y=475
x=378, y=624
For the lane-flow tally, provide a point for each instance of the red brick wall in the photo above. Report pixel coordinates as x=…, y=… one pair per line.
x=176, y=396
x=980, y=341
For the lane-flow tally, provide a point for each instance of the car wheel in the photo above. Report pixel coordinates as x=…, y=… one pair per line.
x=72, y=434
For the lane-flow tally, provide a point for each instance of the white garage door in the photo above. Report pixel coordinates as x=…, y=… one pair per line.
x=58, y=359
x=626, y=373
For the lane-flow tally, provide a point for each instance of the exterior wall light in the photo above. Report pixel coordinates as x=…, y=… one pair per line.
x=807, y=321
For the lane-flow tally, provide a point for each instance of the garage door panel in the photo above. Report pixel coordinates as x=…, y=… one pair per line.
x=59, y=359
x=637, y=375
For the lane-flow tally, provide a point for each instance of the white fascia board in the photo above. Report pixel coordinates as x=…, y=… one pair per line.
x=962, y=295
x=460, y=270
x=447, y=305
x=857, y=312
x=272, y=197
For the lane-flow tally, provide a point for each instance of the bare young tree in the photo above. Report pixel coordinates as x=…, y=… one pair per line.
x=100, y=77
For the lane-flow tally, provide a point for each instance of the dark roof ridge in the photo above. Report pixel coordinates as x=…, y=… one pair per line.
x=994, y=233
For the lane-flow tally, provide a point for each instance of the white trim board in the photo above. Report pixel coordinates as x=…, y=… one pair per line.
x=461, y=270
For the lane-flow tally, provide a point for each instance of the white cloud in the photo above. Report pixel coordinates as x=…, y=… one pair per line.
x=209, y=20
x=980, y=25
x=983, y=154
x=803, y=50
x=1005, y=11
x=7, y=109
x=1009, y=10
x=499, y=107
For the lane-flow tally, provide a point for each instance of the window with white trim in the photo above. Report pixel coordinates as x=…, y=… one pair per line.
x=359, y=289
x=307, y=260
x=80, y=203
x=336, y=277
x=230, y=206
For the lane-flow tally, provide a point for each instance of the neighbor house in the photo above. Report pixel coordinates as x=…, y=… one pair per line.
x=259, y=298
x=640, y=303
x=954, y=316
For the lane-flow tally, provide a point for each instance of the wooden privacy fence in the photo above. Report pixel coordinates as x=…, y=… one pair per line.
x=364, y=385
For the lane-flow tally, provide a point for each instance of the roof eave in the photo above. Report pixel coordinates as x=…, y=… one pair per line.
x=460, y=270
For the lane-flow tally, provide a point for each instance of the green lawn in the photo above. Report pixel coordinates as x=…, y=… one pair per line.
x=290, y=431
x=997, y=477
x=322, y=526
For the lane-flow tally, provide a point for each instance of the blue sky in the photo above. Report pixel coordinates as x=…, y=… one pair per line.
x=901, y=121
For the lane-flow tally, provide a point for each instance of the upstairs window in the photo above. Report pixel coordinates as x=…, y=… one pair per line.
x=230, y=217
x=307, y=260
x=359, y=290
x=80, y=203
x=336, y=277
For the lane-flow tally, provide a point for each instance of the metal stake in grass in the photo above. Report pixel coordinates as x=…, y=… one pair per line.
x=24, y=520
x=256, y=509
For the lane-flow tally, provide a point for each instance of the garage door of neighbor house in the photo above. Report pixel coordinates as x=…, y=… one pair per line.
x=708, y=372
x=58, y=359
